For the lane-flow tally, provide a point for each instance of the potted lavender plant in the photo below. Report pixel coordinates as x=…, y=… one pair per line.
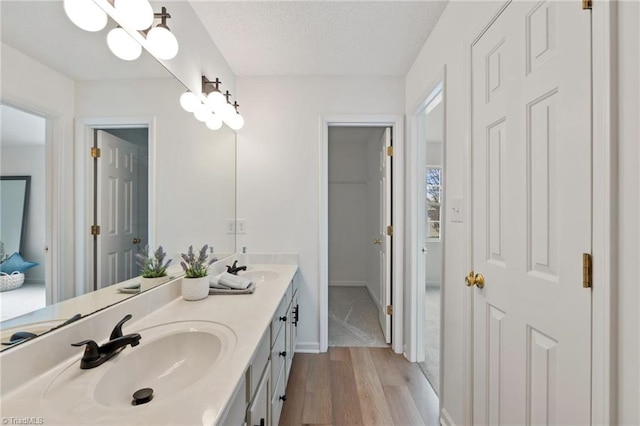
x=195, y=284
x=153, y=268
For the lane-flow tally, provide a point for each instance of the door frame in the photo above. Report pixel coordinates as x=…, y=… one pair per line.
x=84, y=188
x=415, y=171
x=396, y=122
x=604, y=239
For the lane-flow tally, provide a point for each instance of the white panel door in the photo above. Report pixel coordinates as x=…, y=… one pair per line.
x=385, y=245
x=116, y=209
x=532, y=215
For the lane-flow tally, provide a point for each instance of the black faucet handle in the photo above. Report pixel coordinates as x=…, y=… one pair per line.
x=91, y=350
x=117, y=330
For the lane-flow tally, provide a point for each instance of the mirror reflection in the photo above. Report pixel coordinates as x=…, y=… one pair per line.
x=162, y=178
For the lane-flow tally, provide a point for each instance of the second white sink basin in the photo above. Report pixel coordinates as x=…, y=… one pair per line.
x=170, y=358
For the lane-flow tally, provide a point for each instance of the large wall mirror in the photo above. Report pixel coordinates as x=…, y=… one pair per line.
x=65, y=85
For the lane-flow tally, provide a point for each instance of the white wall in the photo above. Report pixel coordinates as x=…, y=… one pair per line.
x=445, y=46
x=28, y=84
x=628, y=301
x=347, y=212
x=29, y=161
x=374, y=145
x=278, y=165
x=195, y=185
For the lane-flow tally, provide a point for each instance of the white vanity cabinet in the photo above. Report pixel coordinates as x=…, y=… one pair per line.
x=268, y=373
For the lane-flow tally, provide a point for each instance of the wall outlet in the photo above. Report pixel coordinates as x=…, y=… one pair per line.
x=231, y=226
x=241, y=226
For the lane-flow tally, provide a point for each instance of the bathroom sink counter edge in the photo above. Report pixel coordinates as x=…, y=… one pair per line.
x=204, y=402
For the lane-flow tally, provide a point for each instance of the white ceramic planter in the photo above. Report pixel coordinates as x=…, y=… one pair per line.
x=147, y=283
x=195, y=288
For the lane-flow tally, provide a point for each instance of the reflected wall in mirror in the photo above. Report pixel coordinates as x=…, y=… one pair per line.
x=70, y=80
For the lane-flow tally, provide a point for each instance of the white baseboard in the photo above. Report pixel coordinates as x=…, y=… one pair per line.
x=373, y=296
x=445, y=418
x=347, y=284
x=308, y=347
x=433, y=284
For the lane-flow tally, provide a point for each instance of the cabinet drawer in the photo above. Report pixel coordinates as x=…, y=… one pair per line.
x=278, y=398
x=279, y=319
x=259, y=407
x=278, y=355
x=259, y=363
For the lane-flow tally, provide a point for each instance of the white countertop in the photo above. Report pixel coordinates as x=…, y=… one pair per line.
x=204, y=402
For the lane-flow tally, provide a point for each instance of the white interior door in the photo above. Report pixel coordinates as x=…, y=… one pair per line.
x=117, y=195
x=385, y=239
x=532, y=215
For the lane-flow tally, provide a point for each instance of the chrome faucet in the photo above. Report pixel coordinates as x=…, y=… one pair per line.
x=95, y=355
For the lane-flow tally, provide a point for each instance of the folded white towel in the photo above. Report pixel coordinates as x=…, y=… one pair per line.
x=234, y=281
x=214, y=281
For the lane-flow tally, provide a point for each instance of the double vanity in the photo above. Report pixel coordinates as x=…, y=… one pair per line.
x=222, y=360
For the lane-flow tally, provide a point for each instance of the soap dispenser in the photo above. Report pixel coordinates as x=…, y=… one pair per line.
x=243, y=258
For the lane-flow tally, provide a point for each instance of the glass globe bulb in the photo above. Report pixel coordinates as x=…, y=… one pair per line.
x=86, y=14
x=214, y=122
x=162, y=42
x=136, y=14
x=215, y=101
x=227, y=111
x=236, y=122
x=202, y=113
x=189, y=101
x=123, y=45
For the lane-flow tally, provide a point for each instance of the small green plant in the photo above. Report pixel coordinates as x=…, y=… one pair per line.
x=152, y=266
x=196, y=267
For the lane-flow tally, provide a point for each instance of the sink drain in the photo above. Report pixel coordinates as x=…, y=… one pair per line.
x=142, y=396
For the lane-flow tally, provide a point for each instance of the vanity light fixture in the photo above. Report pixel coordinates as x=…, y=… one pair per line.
x=123, y=45
x=162, y=42
x=135, y=15
x=86, y=14
x=216, y=108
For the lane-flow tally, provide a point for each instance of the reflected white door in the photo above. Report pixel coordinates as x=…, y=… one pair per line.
x=385, y=240
x=117, y=195
x=532, y=215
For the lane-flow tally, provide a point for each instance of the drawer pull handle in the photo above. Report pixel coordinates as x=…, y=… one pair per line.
x=295, y=315
x=283, y=318
x=283, y=353
x=283, y=397
x=261, y=422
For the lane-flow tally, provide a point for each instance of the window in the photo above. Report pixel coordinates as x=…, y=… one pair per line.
x=433, y=201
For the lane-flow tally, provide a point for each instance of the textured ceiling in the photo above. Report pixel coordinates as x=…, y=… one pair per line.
x=364, y=38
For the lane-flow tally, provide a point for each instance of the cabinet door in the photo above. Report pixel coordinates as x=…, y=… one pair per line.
x=258, y=412
x=278, y=398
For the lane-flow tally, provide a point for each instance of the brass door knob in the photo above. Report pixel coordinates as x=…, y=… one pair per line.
x=377, y=241
x=136, y=240
x=477, y=280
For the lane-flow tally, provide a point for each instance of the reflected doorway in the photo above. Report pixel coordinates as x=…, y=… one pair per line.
x=120, y=203
x=430, y=133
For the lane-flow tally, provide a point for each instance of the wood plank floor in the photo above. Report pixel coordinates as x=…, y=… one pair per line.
x=358, y=386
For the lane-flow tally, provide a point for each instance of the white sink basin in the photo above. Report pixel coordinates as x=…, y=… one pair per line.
x=169, y=359
x=260, y=276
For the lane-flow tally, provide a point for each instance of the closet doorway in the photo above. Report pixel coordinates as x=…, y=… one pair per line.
x=359, y=246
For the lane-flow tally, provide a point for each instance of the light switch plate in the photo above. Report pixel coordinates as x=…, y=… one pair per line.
x=455, y=210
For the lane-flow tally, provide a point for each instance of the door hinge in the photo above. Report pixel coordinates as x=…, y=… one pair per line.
x=95, y=152
x=587, y=4
x=389, y=310
x=390, y=230
x=95, y=230
x=390, y=151
x=587, y=270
